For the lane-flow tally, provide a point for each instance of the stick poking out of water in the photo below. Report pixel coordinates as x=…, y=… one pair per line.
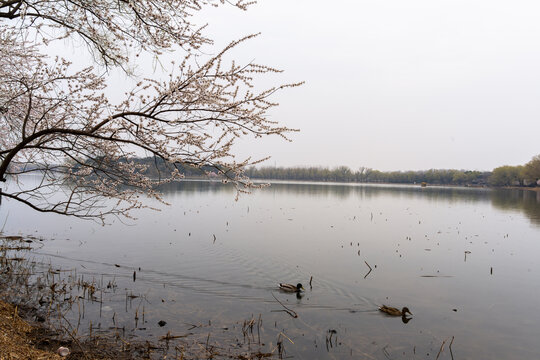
x=370, y=269
x=442, y=347
x=287, y=310
x=450, y=347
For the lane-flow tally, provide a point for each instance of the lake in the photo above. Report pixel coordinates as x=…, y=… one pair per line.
x=463, y=260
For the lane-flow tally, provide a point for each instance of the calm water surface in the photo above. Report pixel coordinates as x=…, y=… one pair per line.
x=463, y=260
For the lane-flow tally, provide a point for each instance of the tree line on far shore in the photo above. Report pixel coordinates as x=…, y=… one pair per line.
x=521, y=175
x=367, y=175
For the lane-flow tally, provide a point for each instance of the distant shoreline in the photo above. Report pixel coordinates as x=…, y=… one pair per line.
x=468, y=186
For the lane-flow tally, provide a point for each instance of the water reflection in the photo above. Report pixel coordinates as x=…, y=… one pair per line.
x=373, y=191
x=455, y=256
x=525, y=201
x=340, y=190
x=194, y=186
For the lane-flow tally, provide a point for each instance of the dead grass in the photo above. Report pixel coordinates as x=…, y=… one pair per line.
x=34, y=300
x=16, y=339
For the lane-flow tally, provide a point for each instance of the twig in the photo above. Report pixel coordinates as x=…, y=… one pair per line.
x=370, y=269
x=385, y=352
x=259, y=322
x=450, y=347
x=193, y=326
x=441, y=349
x=287, y=310
x=288, y=338
x=169, y=336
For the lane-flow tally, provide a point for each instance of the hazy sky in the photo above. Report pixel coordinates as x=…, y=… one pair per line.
x=393, y=84
x=396, y=85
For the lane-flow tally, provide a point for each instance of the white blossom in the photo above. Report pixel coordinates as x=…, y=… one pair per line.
x=58, y=123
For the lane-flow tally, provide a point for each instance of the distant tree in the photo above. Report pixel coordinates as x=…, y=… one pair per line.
x=343, y=173
x=59, y=123
x=506, y=176
x=459, y=178
x=532, y=169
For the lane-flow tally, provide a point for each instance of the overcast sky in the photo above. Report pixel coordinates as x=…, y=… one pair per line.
x=392, y=84
x=397, y=85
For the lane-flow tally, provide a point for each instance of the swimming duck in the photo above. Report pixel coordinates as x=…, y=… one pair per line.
x=291, y=287
x=393, y=311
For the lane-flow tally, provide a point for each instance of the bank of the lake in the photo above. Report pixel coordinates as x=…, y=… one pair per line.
x=27, y=313
x=19, y=339
x=34, y=326
x=23, y=338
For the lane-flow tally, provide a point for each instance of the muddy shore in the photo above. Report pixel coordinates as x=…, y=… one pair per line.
x=27, y=339
x=34, y=298
x=29, y=309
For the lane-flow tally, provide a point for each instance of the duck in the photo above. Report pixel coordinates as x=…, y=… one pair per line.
x=393, y=311
x=291, y=287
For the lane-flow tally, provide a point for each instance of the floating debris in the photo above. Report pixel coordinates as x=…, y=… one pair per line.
x=169, y=336
x=286, y=309
x=370, y=269
x=63, y=351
